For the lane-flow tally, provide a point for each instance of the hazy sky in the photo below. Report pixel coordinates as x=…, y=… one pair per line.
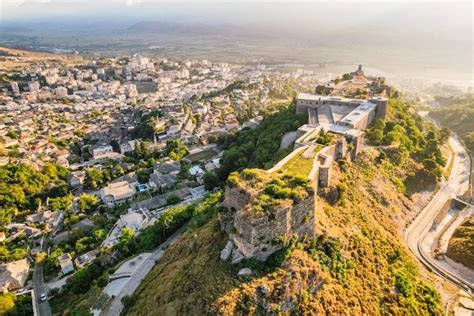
x=446, y=20
x=242, y=11
x=441, y=31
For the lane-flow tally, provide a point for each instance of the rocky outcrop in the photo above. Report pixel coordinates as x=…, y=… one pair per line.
x=255, y=234
x=284, y=291
x=244, y=271
x=227, y=251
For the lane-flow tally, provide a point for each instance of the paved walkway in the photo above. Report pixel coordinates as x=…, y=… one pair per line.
x=288, y=139
x=115, y=307
x=57, y=284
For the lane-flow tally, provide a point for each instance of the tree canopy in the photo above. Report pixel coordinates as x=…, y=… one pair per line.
x=259, y=147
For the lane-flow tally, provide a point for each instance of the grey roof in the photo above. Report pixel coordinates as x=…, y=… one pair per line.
x=168, y=166
x=85, y=223
x=163, y=180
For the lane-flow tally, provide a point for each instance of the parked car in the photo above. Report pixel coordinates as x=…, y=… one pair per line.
x=44, y=297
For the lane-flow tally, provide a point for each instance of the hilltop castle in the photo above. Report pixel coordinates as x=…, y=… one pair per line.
x=261, y=206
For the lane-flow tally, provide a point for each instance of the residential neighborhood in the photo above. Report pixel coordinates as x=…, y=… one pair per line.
x=122, y=142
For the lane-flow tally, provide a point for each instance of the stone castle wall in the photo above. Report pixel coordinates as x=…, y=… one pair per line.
x=254, y=234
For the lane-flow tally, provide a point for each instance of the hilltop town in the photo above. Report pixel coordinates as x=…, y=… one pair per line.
x=105, y=162
x=94, y=148
x=236, y=158
x=313, y=224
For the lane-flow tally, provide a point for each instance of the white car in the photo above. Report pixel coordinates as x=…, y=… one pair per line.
x=43, y=297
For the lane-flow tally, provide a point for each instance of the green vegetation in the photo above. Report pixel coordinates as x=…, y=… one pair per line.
x=7, y=302
x=176, y=150
x=88, y=203
x=173, y=199
x=147, y=127
x=79, y=242
x=192, y=268
x=458, y=115
x=14, y=251
x=271, y=190
x=259, y=147
x=324, y=138
x=12, y=305
x=84, y=287
x=12, y=134
x=143, y=175
x=61, y=203
x=69, y=303
x=211, y=180
x=299, y=164
x=22, y=189
x=461, y=244
x=365, y=267
x=21, y=185
x=60, y=143
x=96, y=178
x=409, y=143
x=173, y=219
x=346, y=76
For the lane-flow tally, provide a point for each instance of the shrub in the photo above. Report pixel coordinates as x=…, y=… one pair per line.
x=173, y=199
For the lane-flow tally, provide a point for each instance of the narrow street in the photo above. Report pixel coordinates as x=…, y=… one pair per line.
x=39, y=287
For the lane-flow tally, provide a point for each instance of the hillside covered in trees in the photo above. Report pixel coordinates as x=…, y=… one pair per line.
x=22, y=189
x=410, y=147
x=458, y=115
x=259, y=147
x=357, y=263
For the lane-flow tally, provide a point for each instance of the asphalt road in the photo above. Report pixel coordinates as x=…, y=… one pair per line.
x=455, y=185
x=39, y=287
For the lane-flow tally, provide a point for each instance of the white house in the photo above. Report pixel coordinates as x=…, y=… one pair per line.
x=13, y=275
x=97, y=151
x=86, y=258
x=196, y=171
x=65, y=263
x=117, y=193
x=76, y=178
x=128, y=146
x=134, y=220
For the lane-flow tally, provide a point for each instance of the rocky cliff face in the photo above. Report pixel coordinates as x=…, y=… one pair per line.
x=283, y=291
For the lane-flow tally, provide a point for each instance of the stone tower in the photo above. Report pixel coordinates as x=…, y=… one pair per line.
x=381, y=110
x=341, y=149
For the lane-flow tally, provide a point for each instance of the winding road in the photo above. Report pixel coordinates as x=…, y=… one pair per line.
x=456, y=185
x=115, y=307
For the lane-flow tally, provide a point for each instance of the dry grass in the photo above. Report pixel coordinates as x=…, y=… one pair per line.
x=13, y=59
x=461, y=244
x=189, y=276
x=191, y=280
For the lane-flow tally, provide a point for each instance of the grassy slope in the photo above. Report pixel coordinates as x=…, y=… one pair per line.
x=461, y=244
x=188, y=277
x=365, y=210
x=364, y=219
x=361, y=212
